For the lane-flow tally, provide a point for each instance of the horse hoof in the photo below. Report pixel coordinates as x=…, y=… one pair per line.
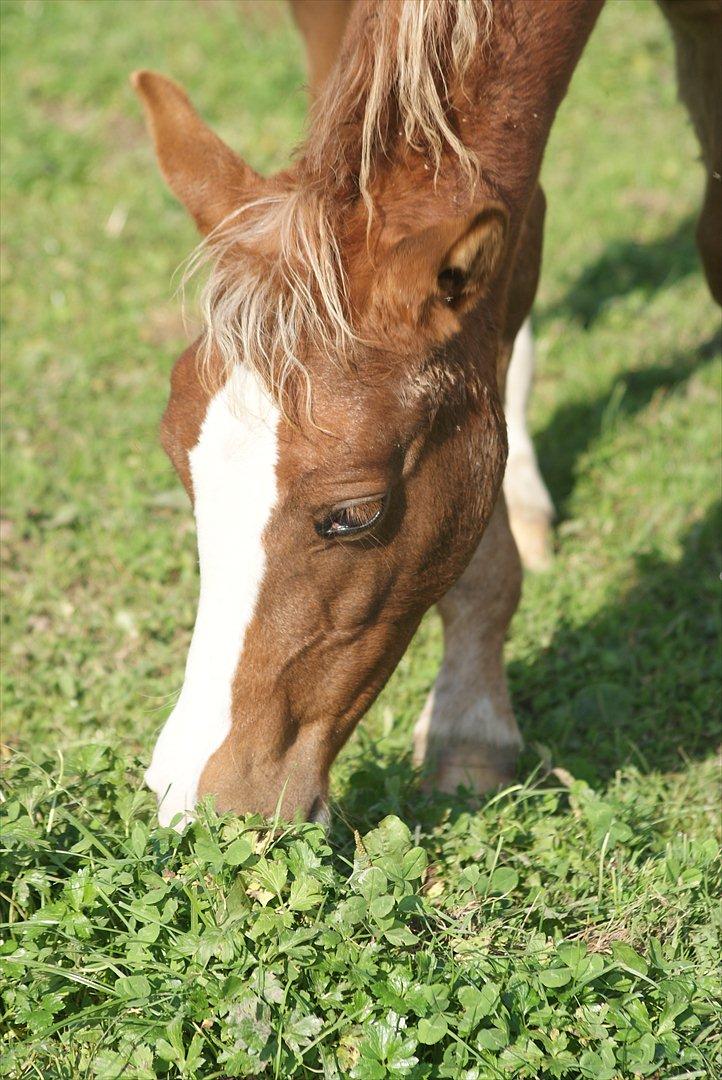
x=489, y=769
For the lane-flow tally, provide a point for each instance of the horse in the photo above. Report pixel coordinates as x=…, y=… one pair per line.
x=339, y=425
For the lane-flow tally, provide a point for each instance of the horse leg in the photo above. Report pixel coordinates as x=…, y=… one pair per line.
x=528, y=502
x=697, y=31
x=322, y=23
x=467, y=733
x=530, y=506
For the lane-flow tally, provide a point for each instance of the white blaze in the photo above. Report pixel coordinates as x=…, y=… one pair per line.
x=234, y=486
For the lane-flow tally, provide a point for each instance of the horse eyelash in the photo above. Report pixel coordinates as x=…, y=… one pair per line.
x=349, y=519
x=361, y=514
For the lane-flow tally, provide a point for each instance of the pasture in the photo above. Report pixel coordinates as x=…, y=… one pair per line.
x=566, y=927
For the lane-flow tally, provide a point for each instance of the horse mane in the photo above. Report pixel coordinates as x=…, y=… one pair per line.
x=277, y=284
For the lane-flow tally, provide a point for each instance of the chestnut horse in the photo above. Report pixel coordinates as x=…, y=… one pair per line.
x=339, y=425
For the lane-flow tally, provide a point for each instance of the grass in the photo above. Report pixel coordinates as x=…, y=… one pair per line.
x=566, y=928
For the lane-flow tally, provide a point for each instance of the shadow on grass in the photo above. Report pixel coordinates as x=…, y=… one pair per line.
x=575, y=425
x=636, y=685
x=625, y=267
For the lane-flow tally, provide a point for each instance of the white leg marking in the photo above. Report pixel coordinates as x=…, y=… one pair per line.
x=523, y=484
x=467, y=731
x=234, y=485
x=530, y=506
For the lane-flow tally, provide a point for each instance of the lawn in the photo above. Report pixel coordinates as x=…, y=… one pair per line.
x=565, y=928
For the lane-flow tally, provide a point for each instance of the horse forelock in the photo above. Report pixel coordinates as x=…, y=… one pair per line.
x=278, y=285
x=276, y=289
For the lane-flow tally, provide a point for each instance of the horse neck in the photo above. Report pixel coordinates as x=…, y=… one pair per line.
x=518, y=91
x=499, y=107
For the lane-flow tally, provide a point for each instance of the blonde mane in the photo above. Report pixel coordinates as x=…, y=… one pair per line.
x=277, y=285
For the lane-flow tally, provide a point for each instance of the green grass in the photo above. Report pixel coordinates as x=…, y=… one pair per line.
x=567, y=927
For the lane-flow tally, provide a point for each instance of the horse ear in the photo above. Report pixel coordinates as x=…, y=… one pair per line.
x=206, y=175
x=449, y=264
x=473, y=258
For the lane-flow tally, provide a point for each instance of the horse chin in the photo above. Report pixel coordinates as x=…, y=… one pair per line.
x=177, y=801
x=320, y=812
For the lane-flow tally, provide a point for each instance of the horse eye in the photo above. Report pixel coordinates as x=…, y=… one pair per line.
x=352, y=518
